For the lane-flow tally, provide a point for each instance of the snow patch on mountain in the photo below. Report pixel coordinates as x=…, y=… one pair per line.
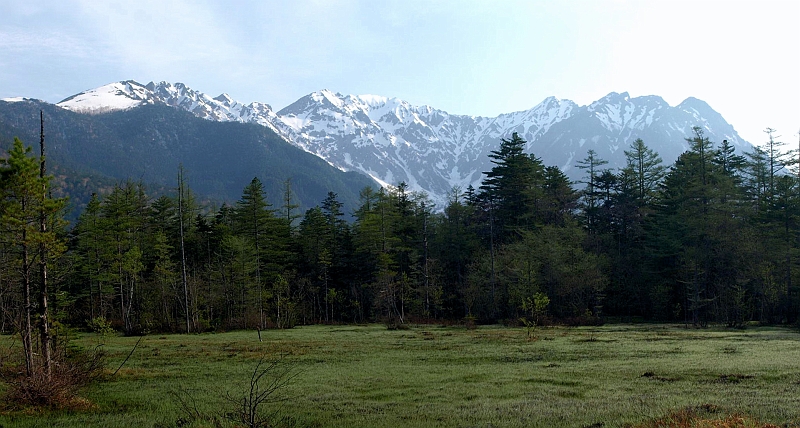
x=108, y=98
x=129, y=94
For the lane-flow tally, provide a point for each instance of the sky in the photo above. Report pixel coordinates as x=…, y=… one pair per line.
x=480, y=58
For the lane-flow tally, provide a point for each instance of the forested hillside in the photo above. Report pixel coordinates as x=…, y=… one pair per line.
x=149, y=143
x=712, y=238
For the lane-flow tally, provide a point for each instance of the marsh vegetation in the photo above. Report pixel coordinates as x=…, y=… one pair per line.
x=427, y=375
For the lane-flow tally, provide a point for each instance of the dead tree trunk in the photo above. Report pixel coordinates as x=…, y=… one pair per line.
x=183, y=251
x=44, y=322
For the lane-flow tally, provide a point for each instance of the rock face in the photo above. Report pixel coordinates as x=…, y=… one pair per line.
x=431, y=150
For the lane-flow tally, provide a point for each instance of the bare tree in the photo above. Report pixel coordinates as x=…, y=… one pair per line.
x=267, y=382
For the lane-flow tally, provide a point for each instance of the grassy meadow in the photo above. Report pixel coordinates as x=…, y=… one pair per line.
x=438, y=376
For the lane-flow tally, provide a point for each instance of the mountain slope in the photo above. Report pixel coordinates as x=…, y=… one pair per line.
x=150, y=142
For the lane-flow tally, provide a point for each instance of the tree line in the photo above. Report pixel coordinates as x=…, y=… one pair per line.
x=712, y=238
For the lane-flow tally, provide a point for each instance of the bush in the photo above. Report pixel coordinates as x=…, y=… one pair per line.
x=470, y=322
x=101, y=326
x=70, y=371
x=394, y=324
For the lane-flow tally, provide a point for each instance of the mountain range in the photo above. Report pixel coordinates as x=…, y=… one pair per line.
x=391, y=140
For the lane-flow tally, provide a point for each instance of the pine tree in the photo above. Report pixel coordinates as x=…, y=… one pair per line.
x=697, y=235
x=29, y=222
x=513, y=188
x=756, y=179
x=88, y=235
x=288, y=208
x=727, y=159
x=252, y=220
x=591, y=164
x=333, y=252
x=775, y=160
x=314, y=261
x=559, y=198
x=455, y=244
x=126, y=212
x=645, y=171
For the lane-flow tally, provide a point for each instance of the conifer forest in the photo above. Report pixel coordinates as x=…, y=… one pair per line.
x=712, y=238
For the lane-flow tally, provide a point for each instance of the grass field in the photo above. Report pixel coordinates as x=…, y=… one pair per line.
x=431, y=376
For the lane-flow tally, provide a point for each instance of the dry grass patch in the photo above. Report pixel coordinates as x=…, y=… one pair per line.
x=705, y=416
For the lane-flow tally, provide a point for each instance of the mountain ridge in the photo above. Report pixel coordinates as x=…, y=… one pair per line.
x=432, y=150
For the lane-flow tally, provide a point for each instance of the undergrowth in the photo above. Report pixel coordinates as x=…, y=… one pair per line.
x=71, y=369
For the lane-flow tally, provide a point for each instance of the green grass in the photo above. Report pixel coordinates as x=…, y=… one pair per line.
x=429, y=376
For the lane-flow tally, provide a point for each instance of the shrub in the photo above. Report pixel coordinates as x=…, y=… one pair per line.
x=71, y=370
x=100, y=325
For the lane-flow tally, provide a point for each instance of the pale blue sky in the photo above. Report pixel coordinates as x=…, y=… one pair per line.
x=465, y=57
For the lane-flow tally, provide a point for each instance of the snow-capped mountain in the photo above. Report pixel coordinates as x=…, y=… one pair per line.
x=432, y=150
x=130, y=94
x=393, y=141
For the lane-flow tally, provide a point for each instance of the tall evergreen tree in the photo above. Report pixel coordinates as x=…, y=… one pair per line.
x=592, y=165
x=126, y=211
x=513, y=187
x=644, y=168
x=775, y=160
x=696, y=236
x=253, y=220
x=727, y=159
x=336, y=236
x=25, y=207
x=89, y=248
x=288, y=208
x=559, y=198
